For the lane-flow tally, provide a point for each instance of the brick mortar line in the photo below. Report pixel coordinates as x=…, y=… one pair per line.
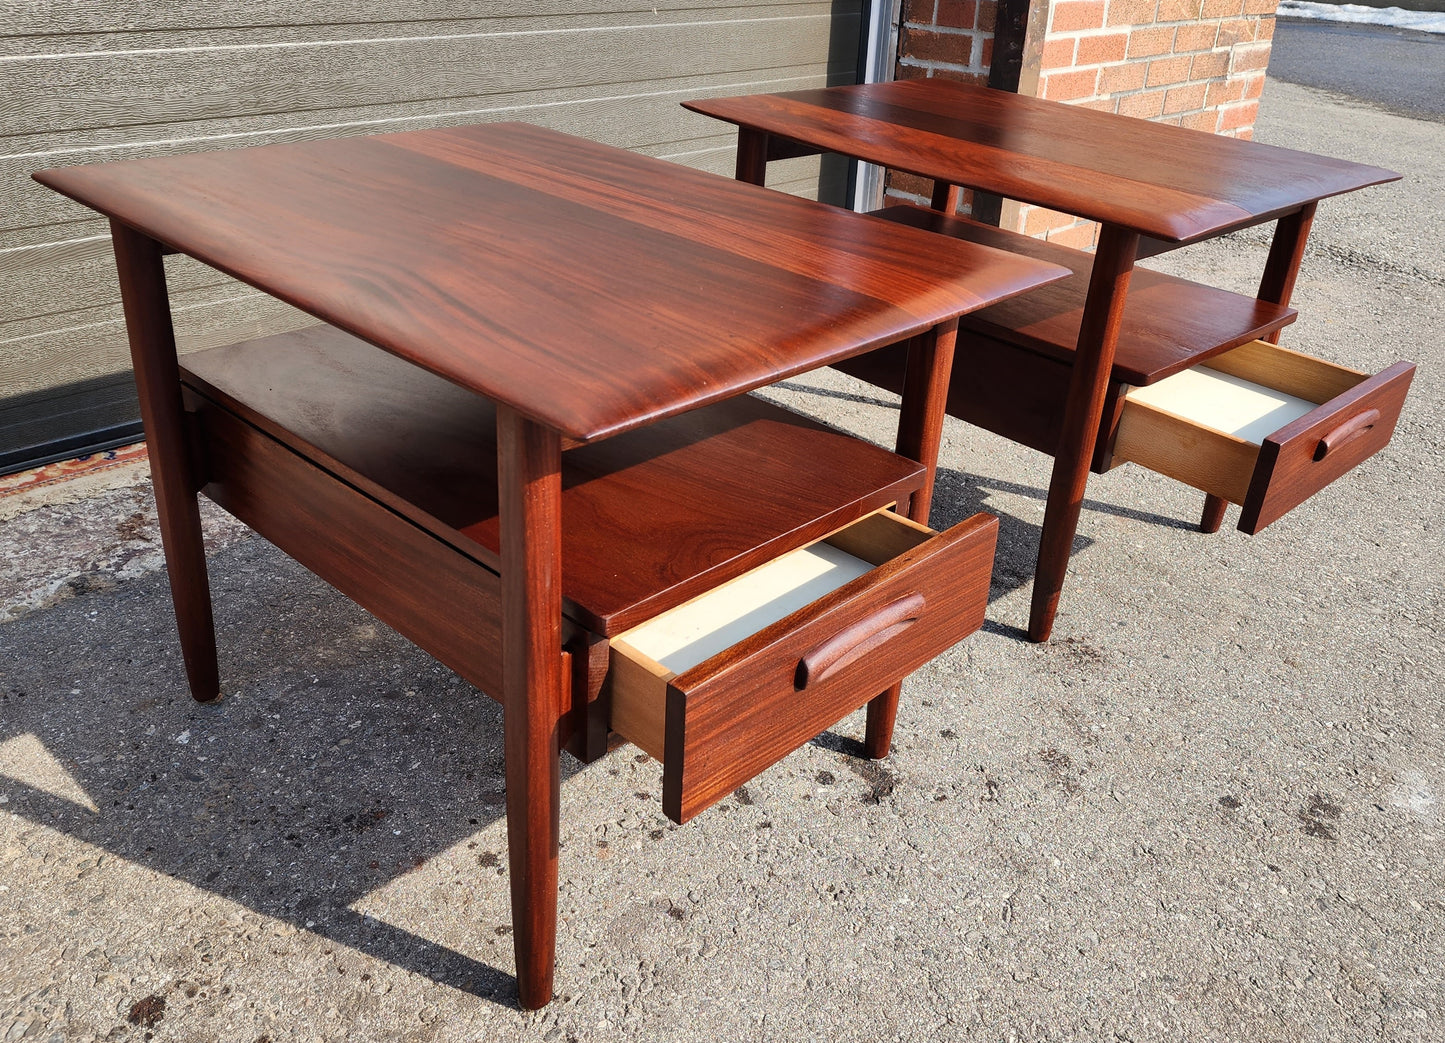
x=935, y=66
x=945, y=30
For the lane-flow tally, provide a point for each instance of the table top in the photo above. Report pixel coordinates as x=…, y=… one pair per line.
x=591, y=289
x=1162, y=181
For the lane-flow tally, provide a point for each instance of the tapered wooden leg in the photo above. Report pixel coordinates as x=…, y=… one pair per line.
x=925, y=397
x=946, y=197
x=920, y=431
x=752, y=158
x=878, y=731
x=1286, y=253
x=529, y=488
x=138, y=259
x=1213, y=515
x=1083, y=411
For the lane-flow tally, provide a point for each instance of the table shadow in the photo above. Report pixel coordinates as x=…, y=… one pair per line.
x=958, y=495
x=341, y=758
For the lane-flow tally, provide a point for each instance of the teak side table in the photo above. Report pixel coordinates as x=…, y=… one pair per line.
x=520, y=428
x=1222, y=407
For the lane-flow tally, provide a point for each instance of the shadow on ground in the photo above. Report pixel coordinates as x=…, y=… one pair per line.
x=341, y=758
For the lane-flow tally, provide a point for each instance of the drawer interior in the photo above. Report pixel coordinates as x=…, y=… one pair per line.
x=1260, y=425
x=691, y=633
x=1205, y=426
x=647, y=657
x=1241, y=408
x=894, y=595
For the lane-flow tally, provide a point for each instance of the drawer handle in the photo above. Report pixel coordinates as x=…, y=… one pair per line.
x=1351, y=429
x=857, y=640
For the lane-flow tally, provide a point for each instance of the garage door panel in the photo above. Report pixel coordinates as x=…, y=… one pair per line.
x=28, y=18
x=124, y=79
x=133, y=88
x=644, y=117
x=69, y=354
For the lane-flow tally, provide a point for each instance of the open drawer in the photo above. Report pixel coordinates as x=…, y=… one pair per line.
x=727, y=684
x=1261, y=426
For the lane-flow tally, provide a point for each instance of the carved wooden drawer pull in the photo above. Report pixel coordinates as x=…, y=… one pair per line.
x=857, y=640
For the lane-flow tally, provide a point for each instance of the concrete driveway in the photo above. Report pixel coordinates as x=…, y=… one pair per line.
x=1209, y=809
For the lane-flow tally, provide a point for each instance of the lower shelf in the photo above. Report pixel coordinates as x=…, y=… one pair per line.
x=1168, y=322
x=650, y=518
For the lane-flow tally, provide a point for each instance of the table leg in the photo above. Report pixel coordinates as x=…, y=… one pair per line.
x=925, y=398
x=529, y=489
x=1083, y=412
x=1281, y=270
x=920, y=431
x=138, y=261
x=946, y=197
x=1286, y=253
x=1212, y=517
x=752, y=161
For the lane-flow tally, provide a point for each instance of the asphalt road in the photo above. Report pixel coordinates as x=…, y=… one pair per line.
x=1396, y=69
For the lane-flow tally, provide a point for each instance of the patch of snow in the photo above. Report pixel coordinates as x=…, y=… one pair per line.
x=1395, y=17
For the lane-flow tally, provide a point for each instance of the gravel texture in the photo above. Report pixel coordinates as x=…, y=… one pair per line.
x=1207, y=810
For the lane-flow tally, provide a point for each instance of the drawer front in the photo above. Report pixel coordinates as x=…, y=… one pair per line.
x=1302, y=458
x=744, y=709
x=1268, y=470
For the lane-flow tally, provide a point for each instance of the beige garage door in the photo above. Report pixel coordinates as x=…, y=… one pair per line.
x=118, y=79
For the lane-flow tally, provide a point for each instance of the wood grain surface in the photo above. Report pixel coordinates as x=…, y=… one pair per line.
x=651, y=518
x=1167, y=182
x=1169, y=323
x=588, y=288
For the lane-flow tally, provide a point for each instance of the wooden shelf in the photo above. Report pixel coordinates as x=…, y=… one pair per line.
x=1169, y=324
x=650, y=519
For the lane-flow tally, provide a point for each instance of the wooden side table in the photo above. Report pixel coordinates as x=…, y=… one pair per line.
x=1058, y=366
x=521, y=427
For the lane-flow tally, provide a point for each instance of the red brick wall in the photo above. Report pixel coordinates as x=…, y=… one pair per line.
x=1196, y=63
x=950, y=39
x=1199, y=63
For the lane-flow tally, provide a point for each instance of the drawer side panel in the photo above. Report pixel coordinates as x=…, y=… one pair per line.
x=1171, y=445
